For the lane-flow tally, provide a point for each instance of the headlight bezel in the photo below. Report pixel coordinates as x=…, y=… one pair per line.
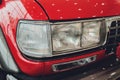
x=67, y=22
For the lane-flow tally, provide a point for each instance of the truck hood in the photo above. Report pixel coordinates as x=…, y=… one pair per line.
x=77, y=9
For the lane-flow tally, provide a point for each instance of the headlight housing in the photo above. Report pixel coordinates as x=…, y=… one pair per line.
x=45, y=39
x=78, y=35
x=33, y=38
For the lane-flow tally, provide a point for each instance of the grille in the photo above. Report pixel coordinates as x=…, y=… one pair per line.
x=113, y=37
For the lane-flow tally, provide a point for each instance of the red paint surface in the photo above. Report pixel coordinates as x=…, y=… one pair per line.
x=118, y=51
x=48, y=65
x=11, y=11
x=76, y=9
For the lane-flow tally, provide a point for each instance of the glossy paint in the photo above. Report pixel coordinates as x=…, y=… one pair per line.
x=11, y=11
x=118, y=52
x=77, y=9
x=48, y=65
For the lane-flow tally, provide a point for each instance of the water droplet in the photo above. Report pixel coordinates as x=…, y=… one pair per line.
x=41, y=13
x=101, y=12
x=75, y=3
x=103, y=4
x=61, y=17
x=58, y=10
x=53, y=4
x=94, y=16
x=67, y=0
x=79, y=9
x=96, y=4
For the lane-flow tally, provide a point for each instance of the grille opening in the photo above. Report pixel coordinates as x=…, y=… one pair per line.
x=118, y=22
x=66, y=66
x=118, y=31
x=112, y=31
x=113, y=37
x=74, y=64
x=111, y=41
x=113, y=24
x=118, y=39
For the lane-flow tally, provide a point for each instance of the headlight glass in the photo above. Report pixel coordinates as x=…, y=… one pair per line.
x=66, y=36
x=78, y=36
x=91, y=34
x=33, y=39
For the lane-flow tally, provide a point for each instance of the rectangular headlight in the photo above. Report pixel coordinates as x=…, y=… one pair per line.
x=91, y=34
x=78, y=36
x=45, y=39
x=66, y=36
x=33, y=38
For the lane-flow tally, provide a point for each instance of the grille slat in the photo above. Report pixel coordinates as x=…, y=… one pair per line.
x=113, y=37
x=119, y=23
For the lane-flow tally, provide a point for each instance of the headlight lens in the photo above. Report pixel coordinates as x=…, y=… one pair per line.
x=74, y=36
x=33, y=39
x=66, y=36
x=42, y=39
x=91, y=34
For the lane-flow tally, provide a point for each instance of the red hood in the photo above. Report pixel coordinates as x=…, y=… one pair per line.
x=76, y=9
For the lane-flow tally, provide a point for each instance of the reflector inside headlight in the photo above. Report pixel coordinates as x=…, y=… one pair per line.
x=33, y=39
x=66, y=36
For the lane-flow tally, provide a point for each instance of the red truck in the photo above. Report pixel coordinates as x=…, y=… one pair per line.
x=41, y=37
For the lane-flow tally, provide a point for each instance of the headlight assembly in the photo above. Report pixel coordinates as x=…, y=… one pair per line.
x=78, y=35
x=45, y=39
x=34, y=39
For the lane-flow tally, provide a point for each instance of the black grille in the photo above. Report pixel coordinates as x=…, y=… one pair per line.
x=113, y=37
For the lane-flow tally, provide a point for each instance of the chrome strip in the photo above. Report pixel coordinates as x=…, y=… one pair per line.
x=80, y=62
